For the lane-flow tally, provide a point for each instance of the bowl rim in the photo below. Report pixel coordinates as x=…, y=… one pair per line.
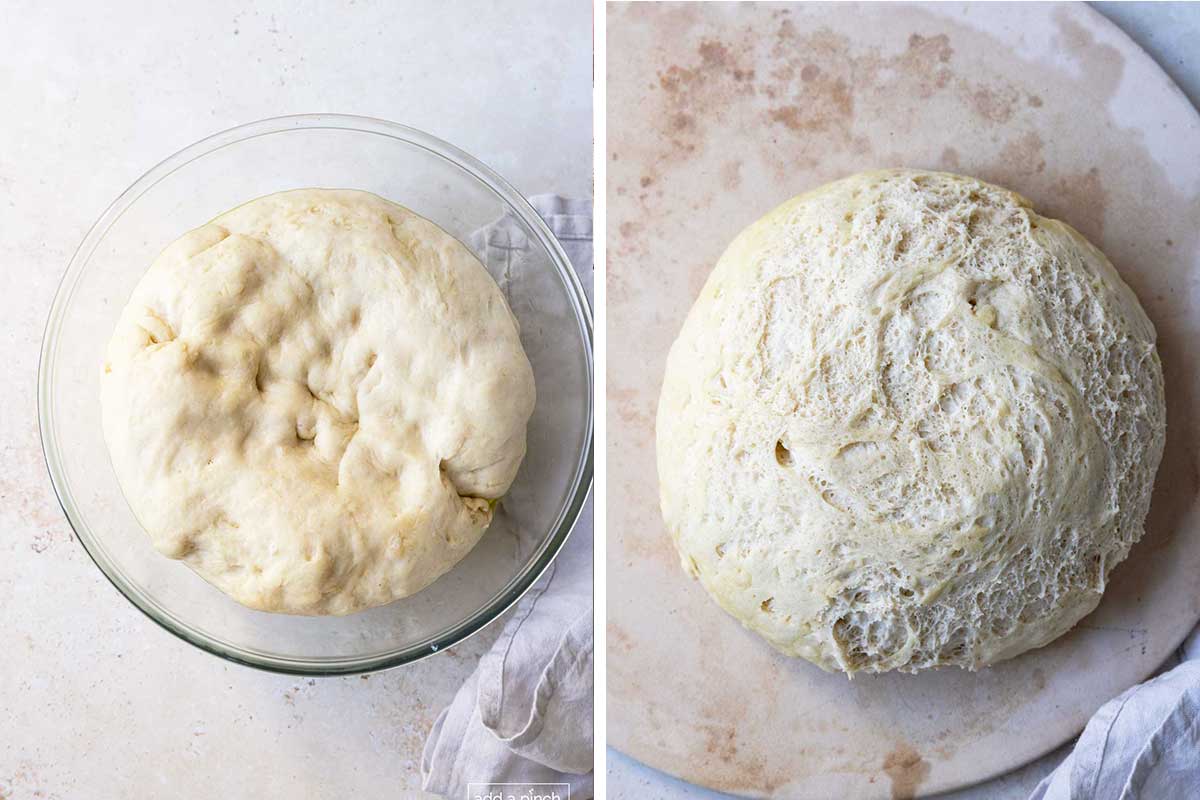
x=455, y=633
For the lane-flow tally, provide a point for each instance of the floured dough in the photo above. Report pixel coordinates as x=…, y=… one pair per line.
x=315, y=400
x=908, y=423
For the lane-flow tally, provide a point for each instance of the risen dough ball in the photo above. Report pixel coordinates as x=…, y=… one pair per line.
x=909, y=423
x=314, y=401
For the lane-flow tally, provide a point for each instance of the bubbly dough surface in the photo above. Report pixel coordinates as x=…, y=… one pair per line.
x=314, y=401
x=909, y=423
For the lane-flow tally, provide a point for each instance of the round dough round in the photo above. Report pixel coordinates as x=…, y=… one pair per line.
x=315, y=400
x=909, y=423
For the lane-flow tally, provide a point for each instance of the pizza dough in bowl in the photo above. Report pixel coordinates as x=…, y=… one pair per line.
x=909, y=423
x=315, y=401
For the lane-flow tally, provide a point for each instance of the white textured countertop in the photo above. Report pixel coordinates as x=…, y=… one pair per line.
x=1167, y=31
x=96, y=701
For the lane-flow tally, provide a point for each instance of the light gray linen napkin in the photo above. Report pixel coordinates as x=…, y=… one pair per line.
x=1143, y=744
x=525, y=715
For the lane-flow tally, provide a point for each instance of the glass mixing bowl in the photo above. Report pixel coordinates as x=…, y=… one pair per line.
x=433, y=179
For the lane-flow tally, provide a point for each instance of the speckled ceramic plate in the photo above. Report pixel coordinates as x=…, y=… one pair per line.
x=716, y=113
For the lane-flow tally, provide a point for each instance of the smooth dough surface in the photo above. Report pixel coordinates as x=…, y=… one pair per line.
x=909, y=423
x=315, y=400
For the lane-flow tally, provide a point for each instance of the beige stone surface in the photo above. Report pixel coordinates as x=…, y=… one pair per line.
x=716, y=114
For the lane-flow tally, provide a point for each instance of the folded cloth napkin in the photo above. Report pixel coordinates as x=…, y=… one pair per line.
x=1144, y=744
x=525, y=715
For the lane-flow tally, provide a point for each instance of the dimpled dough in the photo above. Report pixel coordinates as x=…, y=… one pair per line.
x=909, y=423
x=314, y=401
